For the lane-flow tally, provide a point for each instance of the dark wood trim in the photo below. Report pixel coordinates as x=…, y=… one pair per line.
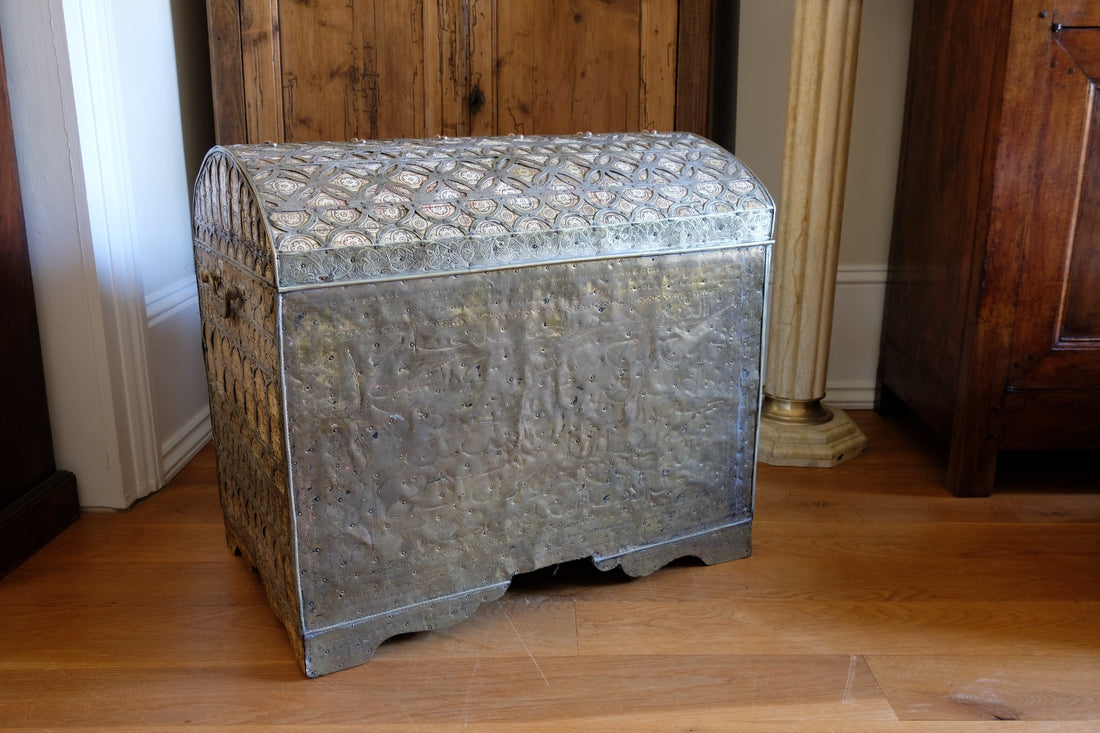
x=223, y=23
x=986, y=220
x=694, y=59
x=1077, y=13
x=36, y=518
x=36, y=500
x=723, y=86
x=248, y=107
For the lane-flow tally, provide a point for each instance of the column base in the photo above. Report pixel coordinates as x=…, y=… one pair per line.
x=815, y=444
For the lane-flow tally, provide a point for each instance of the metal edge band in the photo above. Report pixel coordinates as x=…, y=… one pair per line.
x=460, y=595
x=672, y=540
x=522, y=264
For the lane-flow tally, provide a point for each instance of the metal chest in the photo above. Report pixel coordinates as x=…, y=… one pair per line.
x=434, y=364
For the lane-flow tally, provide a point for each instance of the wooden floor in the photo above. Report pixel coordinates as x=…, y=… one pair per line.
x=874, y=601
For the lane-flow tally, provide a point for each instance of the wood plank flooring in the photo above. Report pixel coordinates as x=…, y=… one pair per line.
x=874, y=601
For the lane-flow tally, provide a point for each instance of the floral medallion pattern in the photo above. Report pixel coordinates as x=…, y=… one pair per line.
x=365, y=210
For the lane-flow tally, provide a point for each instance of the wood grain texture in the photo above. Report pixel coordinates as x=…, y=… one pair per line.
x=36, y=500
x=297, y=70
x=950, y=687
x=223, y=27
x=665, y=86
x=994, y=243
x=942, y=206
x=703, y=720
x=370, y=79
x=1057, y=341
x=694, y=64
x=874, y=601
x=262, y=73
x=563, y=66
x=1077, y=13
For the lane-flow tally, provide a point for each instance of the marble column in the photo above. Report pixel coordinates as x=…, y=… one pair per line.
x=796, y=428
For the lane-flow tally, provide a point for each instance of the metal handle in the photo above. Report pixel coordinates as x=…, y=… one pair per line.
x=232, y=293
x=229, y=293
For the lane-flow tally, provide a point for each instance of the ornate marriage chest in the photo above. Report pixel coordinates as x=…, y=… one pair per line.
x=434, y=364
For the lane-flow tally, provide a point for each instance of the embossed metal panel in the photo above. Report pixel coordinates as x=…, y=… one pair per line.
x=436, y=364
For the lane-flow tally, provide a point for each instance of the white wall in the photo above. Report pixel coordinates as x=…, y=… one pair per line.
x=763, y=65
x=99, y=146
x=149, y=94
x=66, y=290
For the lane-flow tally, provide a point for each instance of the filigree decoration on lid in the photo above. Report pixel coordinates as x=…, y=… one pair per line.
x=365, y=209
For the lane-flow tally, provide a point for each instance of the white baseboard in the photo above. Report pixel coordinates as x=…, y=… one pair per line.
x=850, y=395
x=857, y=324
x=175, y=363
x=166, y=302
x=185, y=443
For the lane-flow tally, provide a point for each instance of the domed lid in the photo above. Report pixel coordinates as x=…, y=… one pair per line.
x=309, y=214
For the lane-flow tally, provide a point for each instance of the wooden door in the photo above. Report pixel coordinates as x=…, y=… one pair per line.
x=1057, y=336
x=341, y=63
x=564, y=66
x=296, y=70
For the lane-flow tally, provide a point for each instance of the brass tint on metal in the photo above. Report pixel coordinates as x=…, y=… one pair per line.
x=436, y=364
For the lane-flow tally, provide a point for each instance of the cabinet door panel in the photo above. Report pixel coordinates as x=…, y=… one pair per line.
x=261, y=82
x=338, y=95
x=1081, y=319
x=1082, y=303
x=295, y=70
x=1077, y=13
x=1057, y=339
x=564, y=66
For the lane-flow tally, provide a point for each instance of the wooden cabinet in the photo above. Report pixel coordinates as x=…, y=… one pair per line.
x=36, y=500
x=299, y=70
x=992, y=322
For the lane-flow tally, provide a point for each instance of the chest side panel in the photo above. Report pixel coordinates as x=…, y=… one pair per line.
x=238, y=307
